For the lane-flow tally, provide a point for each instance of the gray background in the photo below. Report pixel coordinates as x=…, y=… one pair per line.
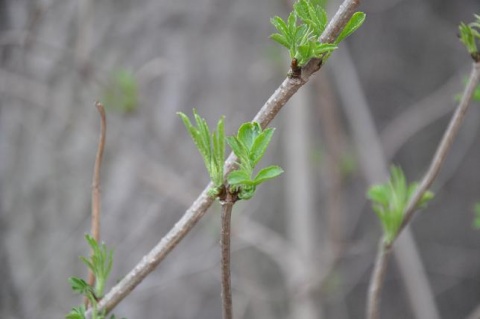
x=56, y=58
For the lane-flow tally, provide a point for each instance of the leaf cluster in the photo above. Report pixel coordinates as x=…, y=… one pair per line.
x=302, y=40
x=211, y=146
x=390, y=200
x=249, y=145
x=470, y=37
x=100, y=263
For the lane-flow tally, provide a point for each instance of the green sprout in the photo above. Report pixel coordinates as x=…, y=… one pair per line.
x=302, y=41
x=390, y=200
x=210, y=145
x=470, y=36
x=249, y=146
x=100, y=263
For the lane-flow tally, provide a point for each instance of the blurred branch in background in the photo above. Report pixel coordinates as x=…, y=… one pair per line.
x=374, y=167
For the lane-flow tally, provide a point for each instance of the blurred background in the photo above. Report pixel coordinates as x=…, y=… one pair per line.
x=304, y=246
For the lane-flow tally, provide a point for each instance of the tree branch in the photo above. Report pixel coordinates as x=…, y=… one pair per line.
x=376, y=283
x=266, y=114
x=445, y=145
x=436, y=164
x=227, y=205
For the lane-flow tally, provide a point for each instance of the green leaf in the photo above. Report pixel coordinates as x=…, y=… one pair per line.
x=267, y=173
x=76, y=313
x=379, y=194
x=352, y=25
x=210, y=145
x=79, y=285
x=239, y=177
x=248, y=132
x=260, y=145
x=280, y=25
x=280, y=38
x=390, y=200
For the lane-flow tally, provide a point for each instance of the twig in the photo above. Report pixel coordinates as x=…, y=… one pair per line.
x=227, y=205
x=376, y=283
x=374, y=166
x=266, y=114
x=444, y=146
x=436, y=164
x=95, y=226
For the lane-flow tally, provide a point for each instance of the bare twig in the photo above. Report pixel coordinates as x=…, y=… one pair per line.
x=376, y=283
x=436, y=164
x=227, y=205
x=266, y=114
x=95, y=226
x=444, y=146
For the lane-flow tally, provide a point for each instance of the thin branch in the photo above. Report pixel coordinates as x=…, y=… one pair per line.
x=376, y=283
x=374, y=166
x=436, y=164
x=227, y=205
x=95, y=226
x=444, y=146
x=266, y=114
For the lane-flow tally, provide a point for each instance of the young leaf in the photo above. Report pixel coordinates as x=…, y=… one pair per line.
x=210, y=145
x=352, y=25
x=267, y=173
x=239, y=177
x=76, y=313
x=280, y=38
x=260, y=145
x=390, y=200
x=79, y=286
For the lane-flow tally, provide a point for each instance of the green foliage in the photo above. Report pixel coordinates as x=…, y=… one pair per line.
x=352, y=25
x=470, y=36
x=390, y=200
x=302, y=40
x=249, y=146
x=121, y=93
x=100, y=263
x=210, y=145
x=476, y=221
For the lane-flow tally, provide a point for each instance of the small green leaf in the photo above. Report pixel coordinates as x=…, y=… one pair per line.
x=379, y=194
x=280, y=25
x=267, y=173
x=390, y=200
x=352, y=25
x=76, y=313
x=260, y=145
x=239, y=177
x=79, y=285
x=280, y=38
x=248, y=132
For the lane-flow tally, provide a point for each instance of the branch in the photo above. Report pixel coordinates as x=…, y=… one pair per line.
x=376, y=283
x=445, y=145
x=436, y=164
x=227, y=205
x=95, y=227
x=266, y=114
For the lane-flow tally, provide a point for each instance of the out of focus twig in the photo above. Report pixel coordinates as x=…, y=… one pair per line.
x=437, y=162
x=95, y=226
